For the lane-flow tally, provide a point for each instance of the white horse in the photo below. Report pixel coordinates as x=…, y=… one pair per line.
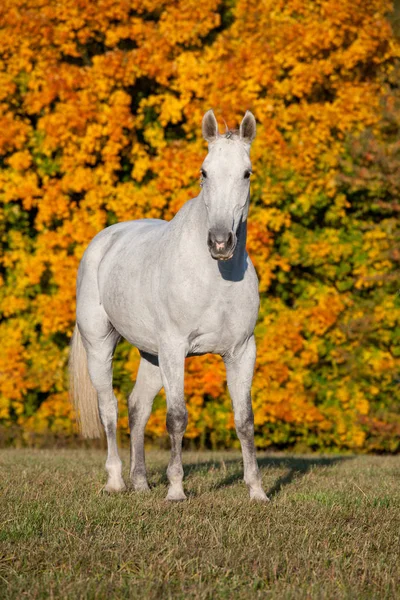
x=172, y=289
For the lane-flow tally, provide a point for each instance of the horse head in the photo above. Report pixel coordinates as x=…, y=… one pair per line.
x=225, y=181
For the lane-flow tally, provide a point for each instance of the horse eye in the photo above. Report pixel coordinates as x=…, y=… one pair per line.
x=203, y=173
x=247, y=174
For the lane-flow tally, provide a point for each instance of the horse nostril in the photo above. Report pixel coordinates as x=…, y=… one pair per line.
x=220, y=241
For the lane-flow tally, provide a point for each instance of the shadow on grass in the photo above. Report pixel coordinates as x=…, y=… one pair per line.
x=295, y=466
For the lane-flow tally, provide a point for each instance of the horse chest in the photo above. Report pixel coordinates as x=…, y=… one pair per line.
x=222, y=325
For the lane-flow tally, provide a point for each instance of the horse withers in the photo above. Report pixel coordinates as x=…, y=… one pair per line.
x=172, y=289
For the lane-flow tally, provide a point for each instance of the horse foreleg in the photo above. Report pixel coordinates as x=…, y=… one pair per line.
x=239, y=372
x=172, y=366
x=148, y=384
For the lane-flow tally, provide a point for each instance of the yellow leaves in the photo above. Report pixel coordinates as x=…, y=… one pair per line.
x=115, y=34
x=13, y=368
x=188, y=21
x=387, y=312
x=324, y=314
x=81, y=179
x=343, y=395
x=13, y=132
x=352, y=399
x=55, y=313
x=46, y=365
x=358, y=438
x=55, y=415
x=12, y=305
x=128, y=201
x=276, y=219
x=321, y=249
x=171, y=110
x=22, y=186
x=156, y=424
x=195, y=409
x=132, y=364
x=154, y=136
x=141, y=162
x=382, y=362
x=362, y=406
x=7, y=86
x=100, y=120
x=205, y=375
x=310, y=353
x=20, y=160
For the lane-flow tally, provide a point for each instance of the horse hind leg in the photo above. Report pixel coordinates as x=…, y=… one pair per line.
x=148, y=384
x=100, y=350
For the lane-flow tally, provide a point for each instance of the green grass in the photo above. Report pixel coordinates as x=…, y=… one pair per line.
x=332, y=529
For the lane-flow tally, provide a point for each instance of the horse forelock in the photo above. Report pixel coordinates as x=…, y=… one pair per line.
x=231, y=134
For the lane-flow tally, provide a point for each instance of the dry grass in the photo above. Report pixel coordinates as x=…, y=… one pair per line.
x=332, y=529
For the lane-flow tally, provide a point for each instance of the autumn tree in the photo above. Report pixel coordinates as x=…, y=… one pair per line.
x=100, y=116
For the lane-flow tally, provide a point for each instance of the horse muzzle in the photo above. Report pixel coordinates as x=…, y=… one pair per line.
x=221, y=244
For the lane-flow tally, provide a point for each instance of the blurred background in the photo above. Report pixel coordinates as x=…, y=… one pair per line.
x=101, y=104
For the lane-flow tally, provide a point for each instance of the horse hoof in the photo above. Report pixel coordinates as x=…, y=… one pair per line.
x=114, y=487
x=176, y=496
x=259, y=496
x=141, y=487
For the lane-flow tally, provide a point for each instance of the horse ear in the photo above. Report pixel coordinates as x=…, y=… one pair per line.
x=248, y=128
x=210, y=126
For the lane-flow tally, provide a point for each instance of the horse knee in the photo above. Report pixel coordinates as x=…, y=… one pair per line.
x=177, y=419
x=245, y=425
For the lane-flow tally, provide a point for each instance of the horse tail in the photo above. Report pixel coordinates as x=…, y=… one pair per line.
x=82, y=393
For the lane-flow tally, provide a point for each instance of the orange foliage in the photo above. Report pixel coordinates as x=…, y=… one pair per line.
x=100, y=115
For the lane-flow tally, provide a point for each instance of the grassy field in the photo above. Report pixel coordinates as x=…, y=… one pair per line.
x=332, y=529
